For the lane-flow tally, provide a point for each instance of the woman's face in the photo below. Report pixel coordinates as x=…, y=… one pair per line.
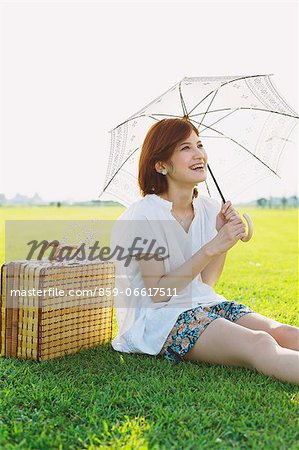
x=187, y=154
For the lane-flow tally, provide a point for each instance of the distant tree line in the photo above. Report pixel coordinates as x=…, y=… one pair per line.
x=282, y=202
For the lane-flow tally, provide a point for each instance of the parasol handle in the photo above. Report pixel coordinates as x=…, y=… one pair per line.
x=250, y=228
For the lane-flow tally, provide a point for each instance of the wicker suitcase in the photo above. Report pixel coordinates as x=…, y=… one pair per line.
x=57, y=308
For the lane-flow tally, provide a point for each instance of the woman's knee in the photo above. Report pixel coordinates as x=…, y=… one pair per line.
x=264, y=348
x=287, y=336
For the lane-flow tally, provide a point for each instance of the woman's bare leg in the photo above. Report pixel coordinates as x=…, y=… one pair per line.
x=286, y=335
x=227, y=343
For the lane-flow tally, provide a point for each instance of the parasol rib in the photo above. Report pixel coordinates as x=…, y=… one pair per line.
x=238, y=143
x=224, y=84
x=245, y=108
x=182, y=100
x=120, y=168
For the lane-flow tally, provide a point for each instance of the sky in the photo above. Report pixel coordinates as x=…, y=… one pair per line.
x=73, y=70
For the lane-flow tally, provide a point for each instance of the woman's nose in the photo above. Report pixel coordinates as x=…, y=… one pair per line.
x=200, y=151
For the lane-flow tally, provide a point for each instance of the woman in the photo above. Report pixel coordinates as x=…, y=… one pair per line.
x=167, y=306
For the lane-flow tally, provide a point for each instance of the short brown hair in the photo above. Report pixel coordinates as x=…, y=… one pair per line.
x=159, y=144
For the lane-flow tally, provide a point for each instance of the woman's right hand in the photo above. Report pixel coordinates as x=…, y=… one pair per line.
x=227, y=236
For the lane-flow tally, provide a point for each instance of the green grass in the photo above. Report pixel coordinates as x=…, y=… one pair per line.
x=99, y=398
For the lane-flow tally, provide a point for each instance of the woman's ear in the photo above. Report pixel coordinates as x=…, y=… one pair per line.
x=159, y=167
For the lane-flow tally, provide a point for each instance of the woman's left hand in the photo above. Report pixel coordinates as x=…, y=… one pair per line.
x=226, y=213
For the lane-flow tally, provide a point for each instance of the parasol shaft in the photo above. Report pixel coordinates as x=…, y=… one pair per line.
x=214, y=179
x=246, y=216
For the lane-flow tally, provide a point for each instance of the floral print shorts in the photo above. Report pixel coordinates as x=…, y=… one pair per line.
x=190, y=325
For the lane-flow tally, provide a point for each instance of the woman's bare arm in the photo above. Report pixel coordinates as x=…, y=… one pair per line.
x=154, y=276
x=212, y=272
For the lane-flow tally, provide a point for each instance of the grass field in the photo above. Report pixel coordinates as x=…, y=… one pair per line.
x=99, y=398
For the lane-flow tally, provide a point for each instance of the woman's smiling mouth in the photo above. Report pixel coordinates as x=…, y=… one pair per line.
x=198, y=167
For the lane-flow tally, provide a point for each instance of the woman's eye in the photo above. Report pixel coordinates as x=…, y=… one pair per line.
x=199, y=146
